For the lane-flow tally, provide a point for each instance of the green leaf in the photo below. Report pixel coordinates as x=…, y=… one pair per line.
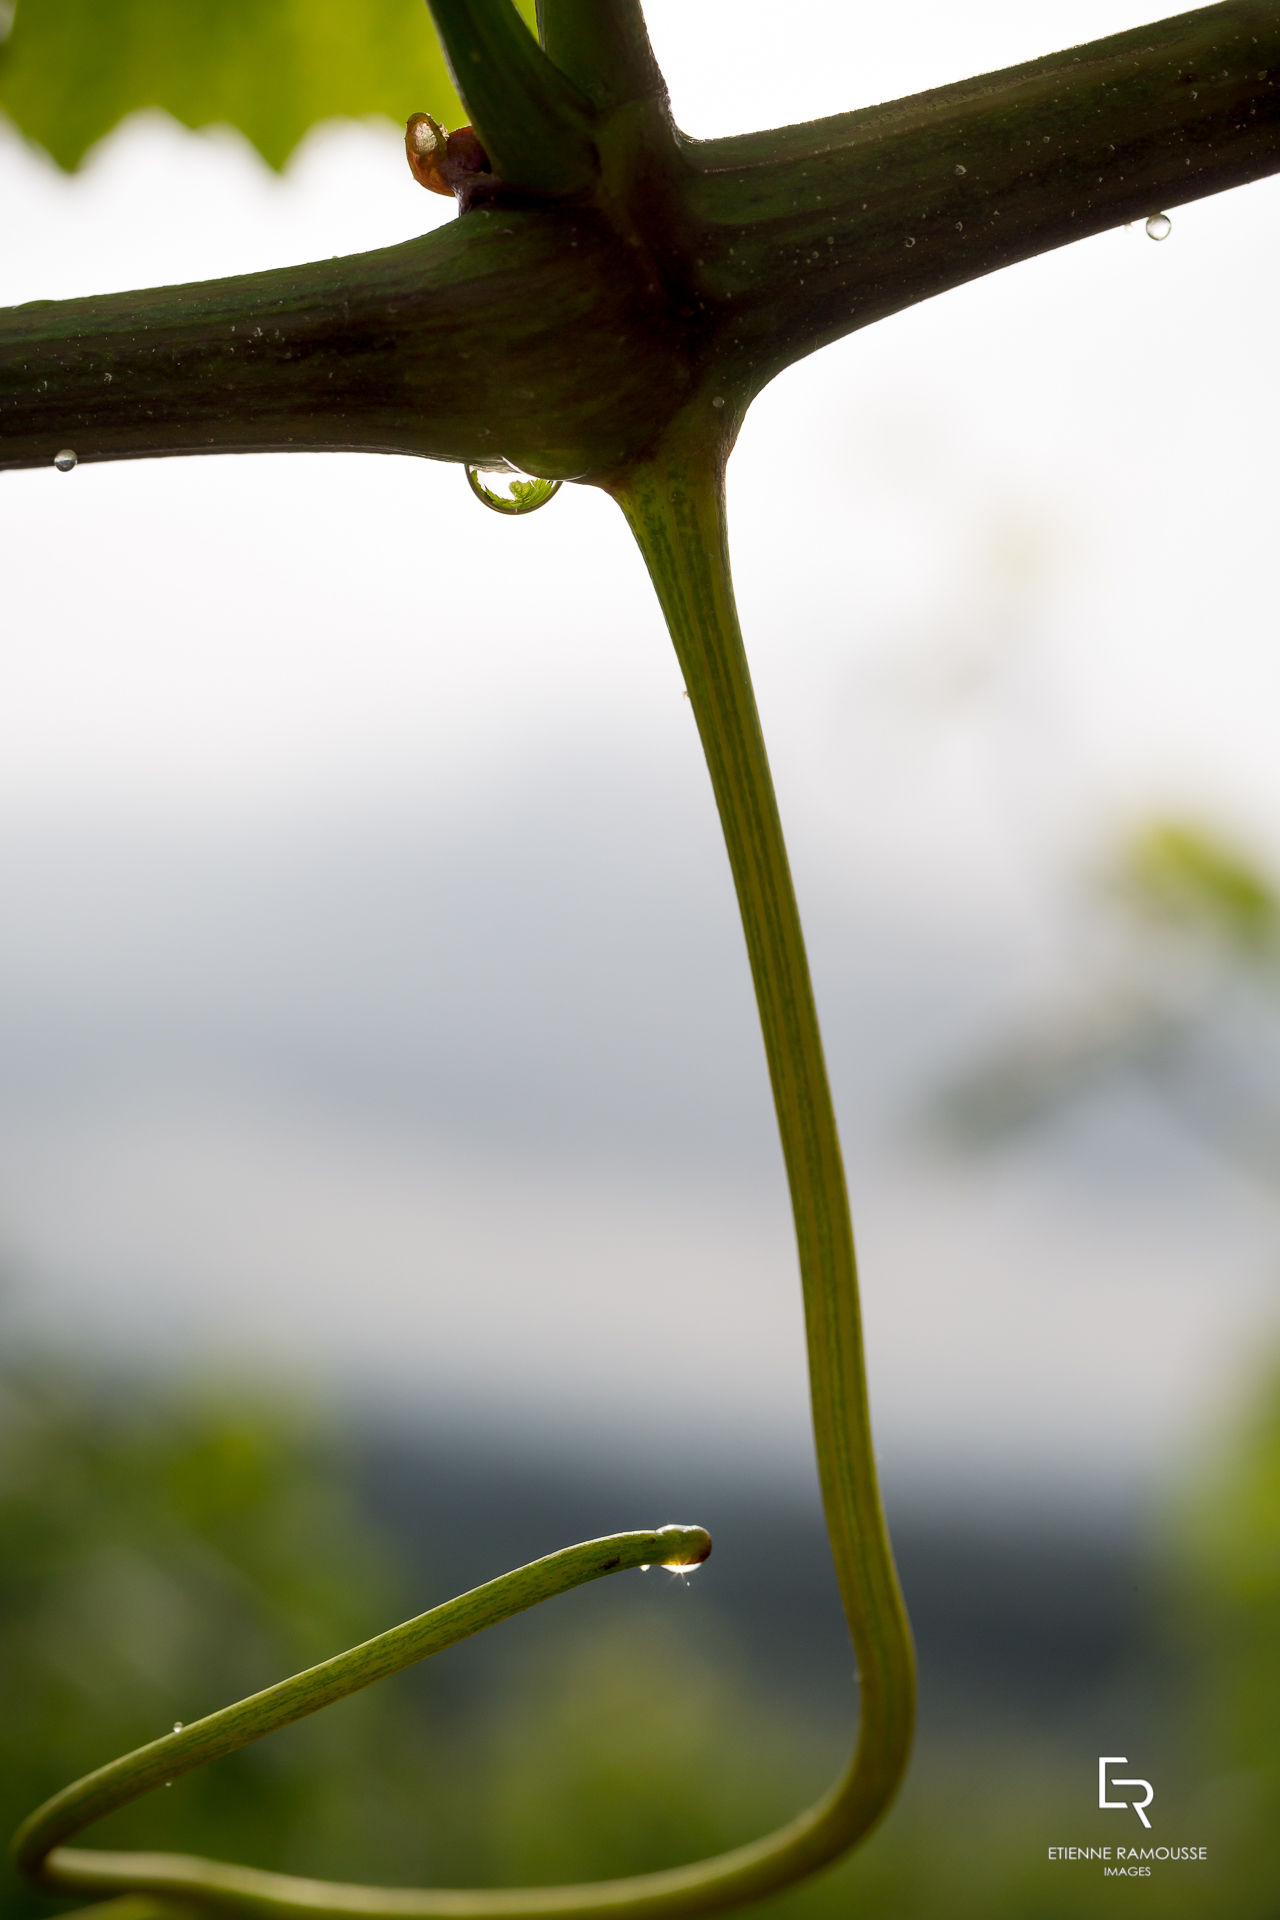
x=72, y=69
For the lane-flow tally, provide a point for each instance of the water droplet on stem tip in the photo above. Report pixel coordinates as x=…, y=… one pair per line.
x=691, y=1553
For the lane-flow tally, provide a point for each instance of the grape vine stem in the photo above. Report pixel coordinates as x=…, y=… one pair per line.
x=675, y=507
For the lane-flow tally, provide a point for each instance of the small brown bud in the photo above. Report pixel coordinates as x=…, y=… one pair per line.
x=425, y=142
x=464, y=153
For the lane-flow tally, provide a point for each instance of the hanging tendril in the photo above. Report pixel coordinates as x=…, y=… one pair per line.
x=676, y=512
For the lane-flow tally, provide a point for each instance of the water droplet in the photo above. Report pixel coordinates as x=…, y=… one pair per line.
x=507, y=490
x=691, y=1554
x=65, y=459
x=423, y=136
x=1159, y=226
x=960, y=169
x=168, y=1783
x=645, y=1567
x=178, y=1725
x=908, y=242
x=717, y=399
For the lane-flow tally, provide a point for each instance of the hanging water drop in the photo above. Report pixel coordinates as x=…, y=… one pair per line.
x=507, y=490
x=65, y=459
x=690, y=1553
x=1159, y=226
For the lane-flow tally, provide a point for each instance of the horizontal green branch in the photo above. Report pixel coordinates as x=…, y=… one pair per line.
x=567, y=335
x=808, y=233
x=508, y=334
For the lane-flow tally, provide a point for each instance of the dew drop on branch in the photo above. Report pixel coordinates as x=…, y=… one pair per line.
x=1159, y=226
x=507, y=490
x=65, y=459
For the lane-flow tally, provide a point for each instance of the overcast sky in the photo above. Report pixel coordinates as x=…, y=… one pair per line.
x=371, y=1002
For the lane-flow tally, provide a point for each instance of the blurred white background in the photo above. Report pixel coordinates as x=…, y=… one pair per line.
x=372, y=1006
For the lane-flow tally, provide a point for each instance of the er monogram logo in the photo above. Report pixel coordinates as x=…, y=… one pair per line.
x=1139, y=1806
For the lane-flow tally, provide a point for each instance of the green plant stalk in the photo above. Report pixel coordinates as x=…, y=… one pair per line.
x=675, y=507
x=676, y=513
x=38, y=1850
x=603, y=49
x=535, y=124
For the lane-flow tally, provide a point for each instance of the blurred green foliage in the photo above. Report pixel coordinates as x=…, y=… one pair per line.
x=71, y=69
x=635, y=1749
x=160, y=1555
x=159, y=1558
x=1182, y=874
x=1228, y=1596
x=1191, y=922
